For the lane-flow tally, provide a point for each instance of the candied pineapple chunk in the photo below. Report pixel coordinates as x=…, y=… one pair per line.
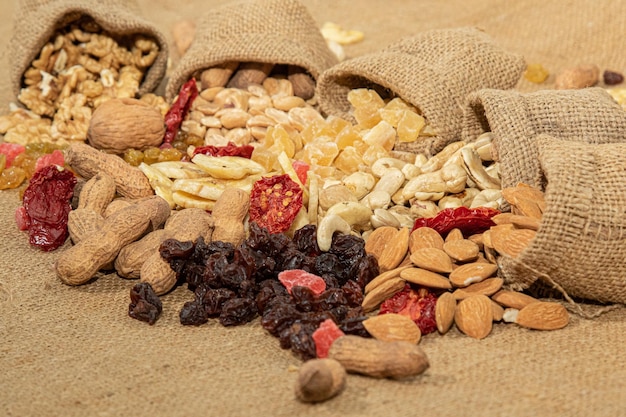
x=383, y=135
x=322, y=151
x=348, y=160
x=410, y=126
x=366, y=105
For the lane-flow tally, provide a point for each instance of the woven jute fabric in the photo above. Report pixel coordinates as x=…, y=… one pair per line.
x=434, y=71
x=36, y=21
x=589, y=115
x=265, y=31
x=580, y=248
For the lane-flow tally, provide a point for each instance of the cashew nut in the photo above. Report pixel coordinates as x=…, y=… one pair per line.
x=454, y=177
x=436, y=162
x=383, y=164
x=360, y=183
x=330, y=224
x=355, y=214
x=476, y=172
x=382, y=218
x=488, y=198
x=483, y=145
x=334, y=194
x=377, y=199
x=391, y=181
x=422, y=208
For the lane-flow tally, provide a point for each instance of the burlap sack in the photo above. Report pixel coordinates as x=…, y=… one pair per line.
x=35, y=21
x=434, y=71
x=580, y=248
x=588, y=115
x=263, y=31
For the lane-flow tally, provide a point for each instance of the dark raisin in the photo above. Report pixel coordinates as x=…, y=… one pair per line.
x=212, y=299
x=172, y=249
x=330, y=298
x=305, y=239
x=303, y=297
x=301, y=340
x=232, y=276
x=276, y=319
x=367, y=270
x=145, y=305
x=612, y=77
x=238, y=311
x=352, y=293
x=193, y=313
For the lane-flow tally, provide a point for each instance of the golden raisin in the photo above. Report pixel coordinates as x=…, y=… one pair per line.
x=536, y=73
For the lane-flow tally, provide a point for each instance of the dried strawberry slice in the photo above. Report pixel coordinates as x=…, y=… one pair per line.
x=299, y=277
x=418, y=305
x=324, y=336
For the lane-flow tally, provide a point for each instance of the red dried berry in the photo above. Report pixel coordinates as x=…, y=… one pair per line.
x=301, y=278
x=418, y=305
x=275, y=202
x=324, y=336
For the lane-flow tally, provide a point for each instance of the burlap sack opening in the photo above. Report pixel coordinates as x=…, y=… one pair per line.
x=35, y=21
x=580, y=248
x=588, y=115
x=433, y=71
x=268, y=31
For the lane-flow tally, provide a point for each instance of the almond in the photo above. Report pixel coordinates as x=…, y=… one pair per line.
x=472, y=273
x=519, y=221
x=487, y=287
x=474, y=316
x=425, y=278
x=454, y=234
x=385, y=276
x=378, y=239
x=527, y=200
x=511, y=242
x=432, y=259
x=395, y=250
x=497, y=310
x=425, y=237
x=461, y=250
x=393, y=327
x=543, y=315
x=513, y=299
x=387, y=289
x=444, y=312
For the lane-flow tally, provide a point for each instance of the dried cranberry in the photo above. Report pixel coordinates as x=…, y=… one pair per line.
x=47, y=206
x=144, y=305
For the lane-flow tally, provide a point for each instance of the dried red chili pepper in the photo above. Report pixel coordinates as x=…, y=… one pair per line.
x=177, y=113
x=418, y=305
x=46, y=206
x=231, y=149
x=275, y=202
x=469, y=220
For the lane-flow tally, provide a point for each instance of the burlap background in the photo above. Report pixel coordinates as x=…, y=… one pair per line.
x=73, y=351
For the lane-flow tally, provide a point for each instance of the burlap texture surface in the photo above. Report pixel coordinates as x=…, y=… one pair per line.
x=434, y=70
x=580, y=246
x=68, y=351
x=267, y=31
x=588, y=116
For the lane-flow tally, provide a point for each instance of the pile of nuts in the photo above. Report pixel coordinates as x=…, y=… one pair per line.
x=81, y=67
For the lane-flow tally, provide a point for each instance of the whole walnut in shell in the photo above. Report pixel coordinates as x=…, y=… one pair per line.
x=120, y=124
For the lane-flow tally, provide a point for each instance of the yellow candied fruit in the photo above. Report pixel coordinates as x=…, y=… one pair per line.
x=347, y=137
x=374, y=153
x=367, y=104
x=280, y=140
x=326, y=171
x=383, y=135
x=536, y=73
x=315, y=130
x=410, y=126
x=268, y=159
x=348, y=160
x=337, y=124
x=321, y=152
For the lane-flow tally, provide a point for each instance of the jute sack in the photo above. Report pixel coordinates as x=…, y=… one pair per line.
x=434, y=71
x=259, y=31
x=580, y=247
x=588, y=115
x=35, y=21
